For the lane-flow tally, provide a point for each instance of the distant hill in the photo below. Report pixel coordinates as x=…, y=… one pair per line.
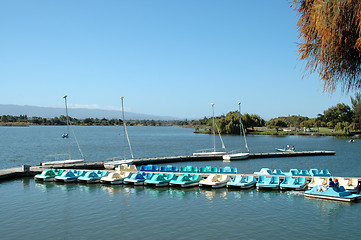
x=80, y=113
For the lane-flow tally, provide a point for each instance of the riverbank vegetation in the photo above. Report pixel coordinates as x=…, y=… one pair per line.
x=339, y=120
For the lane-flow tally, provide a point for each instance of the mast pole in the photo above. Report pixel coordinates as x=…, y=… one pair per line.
x=214, y=132
x=125, y=157
x=67, y=122
x=240, y=122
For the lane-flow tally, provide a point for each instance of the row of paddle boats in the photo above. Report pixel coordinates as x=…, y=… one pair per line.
x=126, y=174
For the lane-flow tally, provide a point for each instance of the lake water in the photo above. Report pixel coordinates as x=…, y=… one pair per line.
x=31, y=210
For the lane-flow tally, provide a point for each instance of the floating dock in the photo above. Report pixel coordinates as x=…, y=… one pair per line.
x=26, y=170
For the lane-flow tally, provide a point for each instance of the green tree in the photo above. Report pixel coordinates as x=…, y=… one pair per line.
x=339, y=113
x=276, y=123
x=356, y=106
x=330, y=36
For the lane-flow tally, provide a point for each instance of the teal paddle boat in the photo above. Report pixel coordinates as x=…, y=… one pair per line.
x=189, y=169
x=138, y=178
x=332, y=193
x=70, y=176
x=268, y=182
x=294, y=183
x=48, y=175
x=186, y=180
x=228, y=170
x=160, y=180
x=242, y=182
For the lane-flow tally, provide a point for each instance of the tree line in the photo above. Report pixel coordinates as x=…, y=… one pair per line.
x=338, y=118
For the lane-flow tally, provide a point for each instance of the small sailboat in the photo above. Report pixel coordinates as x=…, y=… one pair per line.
x=114, y=163
x=240, y=155
x=207, y=152
x=68, y=124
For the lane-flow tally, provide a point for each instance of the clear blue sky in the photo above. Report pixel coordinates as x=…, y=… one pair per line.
x=168, y=58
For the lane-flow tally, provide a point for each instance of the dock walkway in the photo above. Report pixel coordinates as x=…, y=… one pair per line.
x=26, y=170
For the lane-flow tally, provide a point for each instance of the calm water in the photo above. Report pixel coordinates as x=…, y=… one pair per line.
x=32, y=210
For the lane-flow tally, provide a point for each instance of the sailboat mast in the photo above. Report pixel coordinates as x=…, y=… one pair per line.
x=126, y=133
x=214, y=132
x=241, y=128
x=67, y=122
x=125, y=157
x=240, y=121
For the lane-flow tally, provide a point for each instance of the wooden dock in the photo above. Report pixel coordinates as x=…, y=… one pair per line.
x=26, y=170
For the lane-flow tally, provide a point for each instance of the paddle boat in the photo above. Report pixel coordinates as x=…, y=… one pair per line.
x=149, y=168
x=208, y=169
x=315, y=181
x=278, y=172
x=70, y=176
x=323, y=173
x=242, y=182
x=332, y=193
x=264, y=171
x=291, y=183
x=138, y=178
x=189, y=169
x=115, y=177
x=160, y=180
x=215, y=181
x=186, y=180
x=93, y=177
x=126, y=168
x=286, y=149
x=268, y=182
x=169, y=168
x=349, y=184
x=228, y=170
x=48, y=175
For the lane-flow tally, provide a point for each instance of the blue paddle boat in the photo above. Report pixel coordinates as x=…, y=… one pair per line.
x=332, y=193
x=160, y=180
x=268, y=182
x=242, y=182
x=186, y=180
x=70, y=176
x=138, y=178
x=293, y=183
x=149, y=168
x=169, y=168
x=93, y=177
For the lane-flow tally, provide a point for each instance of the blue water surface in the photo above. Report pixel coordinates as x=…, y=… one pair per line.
x=31, y=210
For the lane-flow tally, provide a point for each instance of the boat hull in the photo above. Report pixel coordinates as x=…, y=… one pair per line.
x=343, y=199
x=241, y=186
x=236, y=156
x=213, y=185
